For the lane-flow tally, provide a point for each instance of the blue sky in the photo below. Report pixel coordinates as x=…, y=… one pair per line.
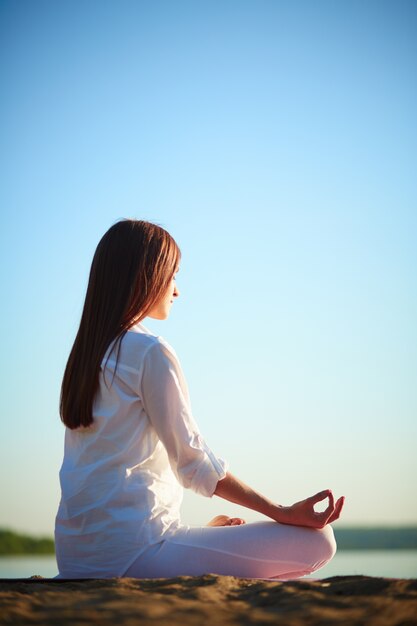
x=276, y=141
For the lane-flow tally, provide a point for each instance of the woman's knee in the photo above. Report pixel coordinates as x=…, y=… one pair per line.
x=326, y=543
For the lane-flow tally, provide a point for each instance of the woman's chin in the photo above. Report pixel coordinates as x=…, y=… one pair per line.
x=159, y=316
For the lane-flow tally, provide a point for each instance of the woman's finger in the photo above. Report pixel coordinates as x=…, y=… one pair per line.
x=321, y=495
x=330, y=508
x=338, y=510
x=334, y=515
x=329, y=511
x=322, y=517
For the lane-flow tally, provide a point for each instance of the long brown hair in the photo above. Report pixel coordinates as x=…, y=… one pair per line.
x=131, y=270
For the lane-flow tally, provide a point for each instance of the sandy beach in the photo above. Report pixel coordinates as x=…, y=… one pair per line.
x=194, y=601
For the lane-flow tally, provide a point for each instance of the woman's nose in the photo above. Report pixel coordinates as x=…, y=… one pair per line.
x=176, y=291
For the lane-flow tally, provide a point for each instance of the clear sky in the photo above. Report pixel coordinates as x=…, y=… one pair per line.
x=276, y=140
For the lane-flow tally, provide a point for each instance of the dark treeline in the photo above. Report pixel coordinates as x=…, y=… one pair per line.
x=15, y=543
x=367, y=538
x=354, y=538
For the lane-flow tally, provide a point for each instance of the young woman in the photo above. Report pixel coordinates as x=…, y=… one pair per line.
x=131, y=444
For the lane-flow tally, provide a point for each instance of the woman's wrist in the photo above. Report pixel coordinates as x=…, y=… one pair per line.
x=277, y=512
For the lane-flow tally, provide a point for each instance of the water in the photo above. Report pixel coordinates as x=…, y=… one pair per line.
x=25, y=566
x=389, y=563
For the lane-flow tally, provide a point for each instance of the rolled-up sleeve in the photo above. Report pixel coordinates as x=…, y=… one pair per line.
x=166, y=402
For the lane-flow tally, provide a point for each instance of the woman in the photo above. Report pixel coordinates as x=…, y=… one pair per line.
x=131, y=443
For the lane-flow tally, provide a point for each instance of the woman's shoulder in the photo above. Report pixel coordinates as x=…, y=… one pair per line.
x=139, y=342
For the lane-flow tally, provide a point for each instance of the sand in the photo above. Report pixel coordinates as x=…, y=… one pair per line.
x=217, y=600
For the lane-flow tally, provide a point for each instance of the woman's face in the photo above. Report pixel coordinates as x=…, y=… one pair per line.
x=161, y=310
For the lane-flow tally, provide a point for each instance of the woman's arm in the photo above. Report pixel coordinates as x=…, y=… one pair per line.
x=164, y=394
x=299, y=514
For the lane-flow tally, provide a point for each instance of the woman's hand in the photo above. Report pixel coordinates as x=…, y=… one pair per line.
x=299, y=514
x=223, y=520
x=303, y=514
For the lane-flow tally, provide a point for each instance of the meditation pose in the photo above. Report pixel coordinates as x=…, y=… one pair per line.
x=132, y=444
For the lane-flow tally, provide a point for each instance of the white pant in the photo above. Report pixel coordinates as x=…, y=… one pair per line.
x=256, y=550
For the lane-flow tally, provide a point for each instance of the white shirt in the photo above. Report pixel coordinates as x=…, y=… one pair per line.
x=122, y=477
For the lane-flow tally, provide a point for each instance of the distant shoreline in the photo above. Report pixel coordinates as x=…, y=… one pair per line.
x=19, y=544
x=376, y=538
x=348, y=538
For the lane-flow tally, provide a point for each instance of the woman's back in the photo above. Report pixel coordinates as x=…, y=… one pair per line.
x=119, y=493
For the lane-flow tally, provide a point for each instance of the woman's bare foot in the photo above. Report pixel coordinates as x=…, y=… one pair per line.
x=224, y=520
